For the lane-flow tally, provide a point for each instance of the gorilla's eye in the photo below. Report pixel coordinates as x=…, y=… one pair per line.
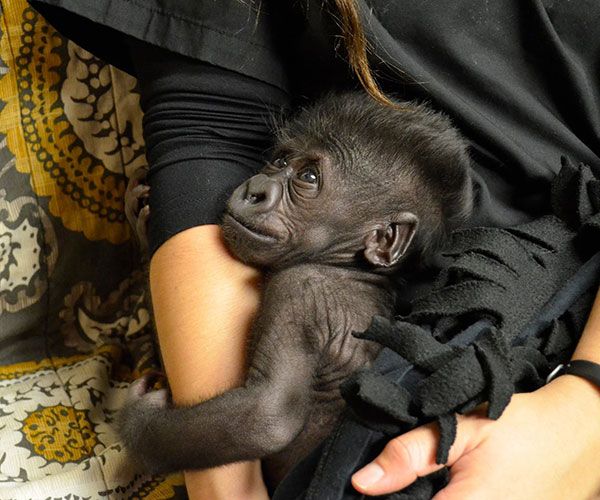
x=309, y=175
x=280, y=163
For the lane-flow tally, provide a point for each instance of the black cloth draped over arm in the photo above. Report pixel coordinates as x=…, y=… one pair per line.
x=206, y=130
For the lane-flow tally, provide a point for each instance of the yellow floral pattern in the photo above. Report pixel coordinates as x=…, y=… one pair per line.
x=60, y=433
x=64, y=98
x=17, y=370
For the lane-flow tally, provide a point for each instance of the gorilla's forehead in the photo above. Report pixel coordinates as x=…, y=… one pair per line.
x=341, y=155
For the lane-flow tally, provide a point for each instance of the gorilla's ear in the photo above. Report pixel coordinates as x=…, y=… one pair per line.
x=386, y=245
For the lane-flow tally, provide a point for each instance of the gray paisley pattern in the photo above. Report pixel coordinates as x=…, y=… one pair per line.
x=75, y=328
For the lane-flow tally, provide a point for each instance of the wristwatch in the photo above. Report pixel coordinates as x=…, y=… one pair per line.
x=581, y=368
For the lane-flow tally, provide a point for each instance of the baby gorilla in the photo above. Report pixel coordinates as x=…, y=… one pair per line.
x=355, y=191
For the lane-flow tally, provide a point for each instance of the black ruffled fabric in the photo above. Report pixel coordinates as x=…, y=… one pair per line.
x=508, y=308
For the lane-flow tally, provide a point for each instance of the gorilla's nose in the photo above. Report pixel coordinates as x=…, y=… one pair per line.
x=262, y=194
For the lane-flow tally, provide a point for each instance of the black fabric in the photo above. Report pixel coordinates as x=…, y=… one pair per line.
x=236, y=35
x=469, y=341
x=519, y=77
x=206, y=129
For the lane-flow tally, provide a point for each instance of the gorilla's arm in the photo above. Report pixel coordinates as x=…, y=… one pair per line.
x=253, y=421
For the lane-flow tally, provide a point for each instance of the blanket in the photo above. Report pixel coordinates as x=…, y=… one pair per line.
x=74, y=325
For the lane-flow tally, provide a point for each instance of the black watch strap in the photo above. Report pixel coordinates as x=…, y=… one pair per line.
x=585, y=369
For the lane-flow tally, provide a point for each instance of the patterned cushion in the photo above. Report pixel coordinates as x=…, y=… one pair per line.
x=74, y=326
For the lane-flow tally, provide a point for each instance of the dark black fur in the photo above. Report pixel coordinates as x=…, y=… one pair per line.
x=354, y=190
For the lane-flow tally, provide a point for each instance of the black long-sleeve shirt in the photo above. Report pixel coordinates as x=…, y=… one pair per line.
x=206, y=130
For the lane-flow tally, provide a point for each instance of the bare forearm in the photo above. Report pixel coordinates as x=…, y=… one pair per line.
x=204, y=301
x=202, y=316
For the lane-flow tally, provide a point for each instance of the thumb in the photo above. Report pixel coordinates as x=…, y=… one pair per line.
x=412, y=455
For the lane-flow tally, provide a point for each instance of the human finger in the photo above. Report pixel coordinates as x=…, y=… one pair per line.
x=412, y=455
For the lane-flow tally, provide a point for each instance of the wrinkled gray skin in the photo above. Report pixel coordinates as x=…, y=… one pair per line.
x=355, y=191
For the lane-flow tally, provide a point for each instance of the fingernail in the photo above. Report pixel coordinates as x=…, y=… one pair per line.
x=368, y=475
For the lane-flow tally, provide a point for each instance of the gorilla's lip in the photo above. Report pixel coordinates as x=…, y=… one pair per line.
x=257, y=233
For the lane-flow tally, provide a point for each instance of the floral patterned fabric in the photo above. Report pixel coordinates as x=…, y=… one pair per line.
x=74, y=325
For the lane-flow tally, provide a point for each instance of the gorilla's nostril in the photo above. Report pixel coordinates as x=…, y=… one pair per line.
x=255, y=198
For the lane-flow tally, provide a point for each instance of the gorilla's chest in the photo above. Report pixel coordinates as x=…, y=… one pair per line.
x=326, y=407
x=326, y=310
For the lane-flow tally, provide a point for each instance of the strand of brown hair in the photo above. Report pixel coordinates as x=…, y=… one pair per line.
x=356, y=45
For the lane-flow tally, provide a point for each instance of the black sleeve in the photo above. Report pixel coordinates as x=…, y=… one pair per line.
x=206, y=130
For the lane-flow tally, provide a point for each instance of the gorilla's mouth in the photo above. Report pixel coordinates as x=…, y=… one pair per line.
x=253, y=230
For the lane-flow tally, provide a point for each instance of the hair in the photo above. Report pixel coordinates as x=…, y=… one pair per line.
x=345, y=13
x=357, y=48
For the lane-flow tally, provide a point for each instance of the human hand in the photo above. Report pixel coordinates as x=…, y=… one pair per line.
x=546, y=445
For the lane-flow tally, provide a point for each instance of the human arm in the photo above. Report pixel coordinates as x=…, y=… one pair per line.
x=205, y=129
x=202, y=332
x=546, y=444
